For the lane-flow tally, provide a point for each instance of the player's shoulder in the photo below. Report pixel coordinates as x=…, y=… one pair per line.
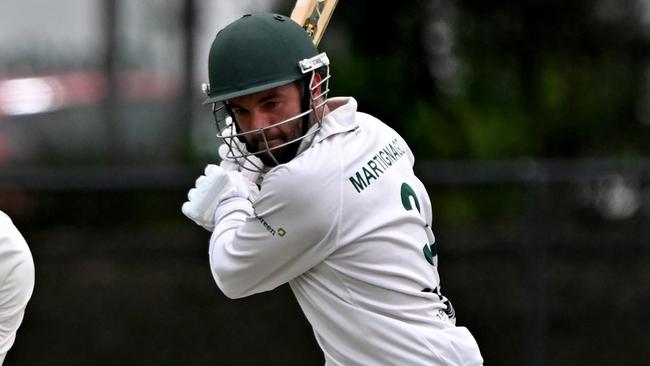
x=11, y=240
x=369, y=121
x=14, y=250
x=315, y=170
x=7, y=228
x=4, y=218
x=383, y=135
x=316, y=163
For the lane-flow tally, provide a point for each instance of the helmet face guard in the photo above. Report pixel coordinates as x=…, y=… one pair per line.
x=259, y=52
x=310, y=118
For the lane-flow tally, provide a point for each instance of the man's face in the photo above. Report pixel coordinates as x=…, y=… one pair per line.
x=263, y=109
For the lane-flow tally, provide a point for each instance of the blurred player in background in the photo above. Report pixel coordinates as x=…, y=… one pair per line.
x=16, y=282
x=313, y=193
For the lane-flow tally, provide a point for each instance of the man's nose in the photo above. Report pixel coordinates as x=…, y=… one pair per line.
x=259, y=120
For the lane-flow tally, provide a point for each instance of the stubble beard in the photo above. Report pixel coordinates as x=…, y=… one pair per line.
x=281, y=155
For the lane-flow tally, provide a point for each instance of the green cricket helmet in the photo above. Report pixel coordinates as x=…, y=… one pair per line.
x=256, y=53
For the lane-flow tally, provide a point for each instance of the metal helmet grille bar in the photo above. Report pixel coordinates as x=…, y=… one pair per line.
x=233, y=138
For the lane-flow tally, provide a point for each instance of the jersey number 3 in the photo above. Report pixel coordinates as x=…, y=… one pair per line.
x=430, y=250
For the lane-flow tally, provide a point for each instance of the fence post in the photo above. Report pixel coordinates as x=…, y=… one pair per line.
x=113, y=138
x=534, y=261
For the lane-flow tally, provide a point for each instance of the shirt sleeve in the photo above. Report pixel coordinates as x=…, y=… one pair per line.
x=16, y=281
x=291, y=227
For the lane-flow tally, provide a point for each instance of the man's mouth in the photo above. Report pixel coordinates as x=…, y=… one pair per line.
x=270, y=142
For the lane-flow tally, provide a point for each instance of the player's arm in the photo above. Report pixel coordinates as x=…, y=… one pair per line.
x=17, y=272
x=292, y=228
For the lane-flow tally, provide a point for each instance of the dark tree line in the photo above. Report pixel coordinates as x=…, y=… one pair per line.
x=548, y=79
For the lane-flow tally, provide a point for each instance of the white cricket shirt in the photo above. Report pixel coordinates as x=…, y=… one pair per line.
x=16, y=282
x=347, y=224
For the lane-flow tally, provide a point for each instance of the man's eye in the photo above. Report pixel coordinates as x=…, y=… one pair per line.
x=272, y=104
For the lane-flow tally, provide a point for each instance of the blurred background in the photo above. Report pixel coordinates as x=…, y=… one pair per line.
x=530, y=122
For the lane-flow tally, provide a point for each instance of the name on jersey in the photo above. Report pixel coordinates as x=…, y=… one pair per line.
x=383, y=159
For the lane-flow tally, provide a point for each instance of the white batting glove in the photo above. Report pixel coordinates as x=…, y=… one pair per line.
x=251, y=166
x=212, y=188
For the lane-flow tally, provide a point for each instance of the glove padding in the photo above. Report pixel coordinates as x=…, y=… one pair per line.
x=250, y=166
x=212, y=188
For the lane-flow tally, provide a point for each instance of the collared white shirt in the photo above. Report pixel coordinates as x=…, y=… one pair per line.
x=348, y=225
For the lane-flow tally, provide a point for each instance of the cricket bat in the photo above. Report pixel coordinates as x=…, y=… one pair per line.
x=313, y=16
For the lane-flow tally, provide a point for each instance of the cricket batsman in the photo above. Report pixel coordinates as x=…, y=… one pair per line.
x=314, y=193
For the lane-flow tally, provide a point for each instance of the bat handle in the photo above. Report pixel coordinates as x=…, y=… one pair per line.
x=310, y=27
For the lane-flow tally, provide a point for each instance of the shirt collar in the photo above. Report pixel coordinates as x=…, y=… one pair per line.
x=341, y=118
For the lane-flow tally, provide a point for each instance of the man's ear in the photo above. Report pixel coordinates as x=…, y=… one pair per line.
x=316, y=88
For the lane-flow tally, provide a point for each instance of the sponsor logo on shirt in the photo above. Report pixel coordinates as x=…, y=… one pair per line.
x=269, y=228
x=383, y=159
